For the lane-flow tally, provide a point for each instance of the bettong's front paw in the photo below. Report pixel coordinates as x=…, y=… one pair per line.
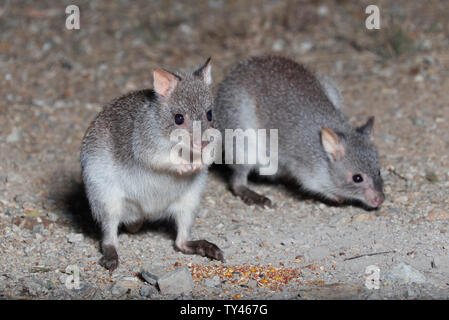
x=109, y=259
x=203, y=248
x=189, y=168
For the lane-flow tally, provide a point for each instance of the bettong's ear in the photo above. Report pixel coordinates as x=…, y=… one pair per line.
x=332, y=144
x=205, y=72
x=164, y=82
x=367, y=128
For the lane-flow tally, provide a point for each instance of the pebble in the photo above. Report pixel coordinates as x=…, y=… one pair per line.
x=212, y=282
x=418, y=78
x=278, y=45
x=363, y=217
x=426, y=44
x=75, y=237
x=148, y=291
x=129, y=284
x=14, y=136
x=38, y=228
x=176, y=282
x=203, y=213
x=432, y=177
x=149, y=277
x=404, y=273
x=39, y=103
x=401, y=199
x=252, y=284
x=62, y=278
x=118, y=290
x=305, y=46
x=52, y=216
x=35, y=287
x=323, y=10
x=437, y=214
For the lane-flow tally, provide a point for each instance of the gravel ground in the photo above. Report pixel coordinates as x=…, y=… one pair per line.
x=53, y=82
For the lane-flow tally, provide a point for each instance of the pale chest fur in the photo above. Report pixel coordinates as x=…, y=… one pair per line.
x=150, y=193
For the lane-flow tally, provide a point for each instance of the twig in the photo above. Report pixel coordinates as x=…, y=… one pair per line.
x=397, y=174
x=369, y=254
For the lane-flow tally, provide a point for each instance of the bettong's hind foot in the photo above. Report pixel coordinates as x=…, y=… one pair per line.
x=250, y=197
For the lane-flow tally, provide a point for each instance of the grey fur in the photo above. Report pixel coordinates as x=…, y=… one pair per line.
x=271, y=92
x=332, y=91
x=126, y=165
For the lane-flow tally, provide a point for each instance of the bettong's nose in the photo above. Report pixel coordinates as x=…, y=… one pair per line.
x=378, y=199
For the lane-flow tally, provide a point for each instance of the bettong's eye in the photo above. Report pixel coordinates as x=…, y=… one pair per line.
x=209, y=115
x=179, y=119
x=357, y=178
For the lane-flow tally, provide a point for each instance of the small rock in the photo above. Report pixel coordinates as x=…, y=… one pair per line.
x=149, y=277
x=252, y=284
x=305, y=46
x=426, y=44
x=419, y=122
x=402, y=199
x=418, y=78
x=14, y=136
x=89, y=292
x=52, y=216
x=39, y=103
x=437, y=214
x=212, y=282
x=129, y=284
x=75, y=237
x=35, y=287
x=66, y=65
x=20, y=198
x=148, y=291
x=323, y=10
x=264, y=244
x=60, y=104
x=176, y=282
x=428, y=60
x=432, y=177
x=118, y=290
x=62, y=278
x=278, y=45
x=38, y=228
x=392, y=211
x=403, y=273
x=186, y=29
x=203, y=213
x=411, y=293
x=363, y=217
